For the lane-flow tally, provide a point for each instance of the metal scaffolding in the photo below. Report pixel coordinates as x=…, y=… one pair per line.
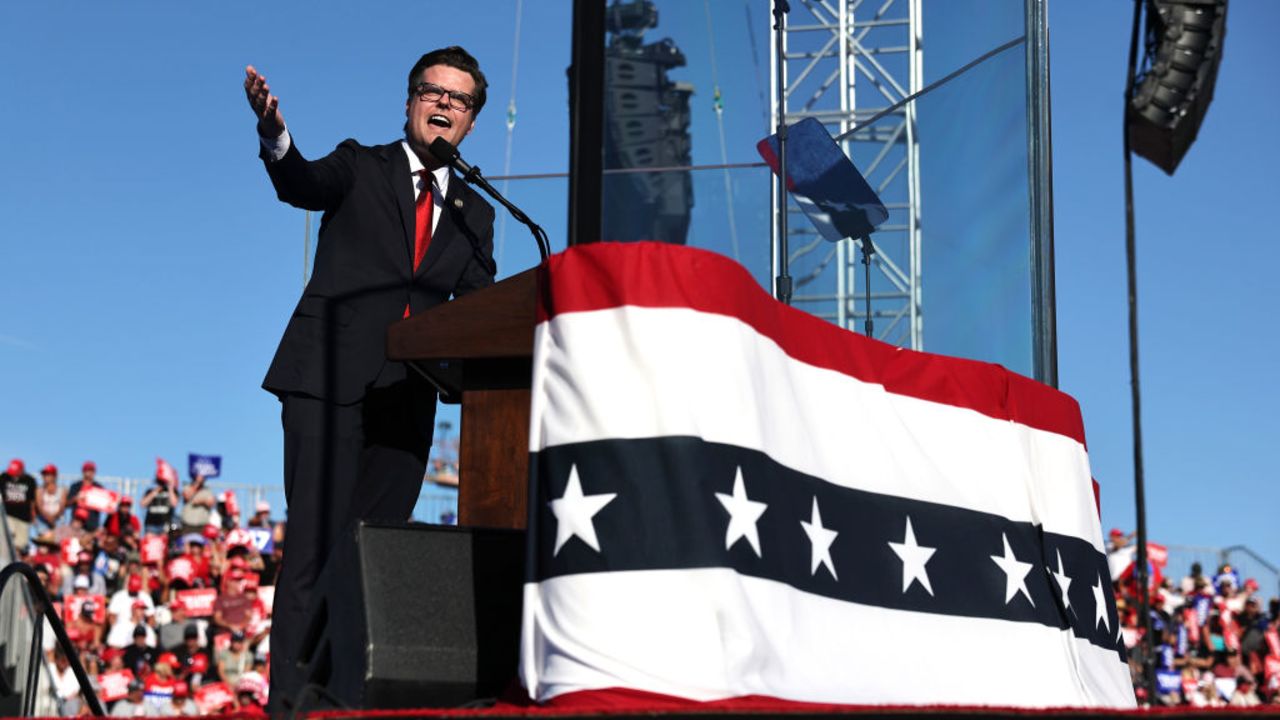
x=843, y=62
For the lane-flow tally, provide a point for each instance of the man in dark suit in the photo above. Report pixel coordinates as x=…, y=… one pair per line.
x=399, y=235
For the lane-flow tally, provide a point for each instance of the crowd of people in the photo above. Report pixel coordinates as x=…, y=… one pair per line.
x=168, y=606
x=1216, y=643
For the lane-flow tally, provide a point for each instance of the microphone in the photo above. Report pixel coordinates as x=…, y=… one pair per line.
x=445, y=152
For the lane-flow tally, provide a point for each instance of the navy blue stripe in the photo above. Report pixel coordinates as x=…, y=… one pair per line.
x=666, y=516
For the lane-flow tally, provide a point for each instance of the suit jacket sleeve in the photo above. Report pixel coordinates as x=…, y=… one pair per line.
x=317, y=185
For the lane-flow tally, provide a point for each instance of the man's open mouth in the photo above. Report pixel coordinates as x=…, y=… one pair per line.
x=440, y=121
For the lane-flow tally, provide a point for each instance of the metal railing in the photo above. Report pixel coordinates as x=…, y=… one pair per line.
x=1244, y=560
x=26, y=684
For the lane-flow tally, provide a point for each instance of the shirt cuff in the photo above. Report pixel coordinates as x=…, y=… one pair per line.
x=276, y=148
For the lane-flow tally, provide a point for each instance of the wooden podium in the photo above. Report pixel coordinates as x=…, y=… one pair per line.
x=479, y=348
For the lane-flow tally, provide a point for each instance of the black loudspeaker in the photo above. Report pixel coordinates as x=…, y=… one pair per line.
x=1183, y=50
x=411, y=615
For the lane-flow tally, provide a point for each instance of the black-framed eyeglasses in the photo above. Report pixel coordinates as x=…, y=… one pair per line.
x=430, y=92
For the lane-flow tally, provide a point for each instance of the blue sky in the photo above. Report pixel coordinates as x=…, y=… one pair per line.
x=148, y=268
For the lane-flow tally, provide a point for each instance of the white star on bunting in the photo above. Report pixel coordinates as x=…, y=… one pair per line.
x=574, y=511
x=1100, y=606
x=913, y=557
x=743, y=514
x=1015, y=573
x=820, y=539
x=1064, y=582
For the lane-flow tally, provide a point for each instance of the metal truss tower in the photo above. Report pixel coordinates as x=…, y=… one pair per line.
x=844, y=62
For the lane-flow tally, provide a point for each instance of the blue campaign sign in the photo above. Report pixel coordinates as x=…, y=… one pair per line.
x=261, y=539
x=210, y=466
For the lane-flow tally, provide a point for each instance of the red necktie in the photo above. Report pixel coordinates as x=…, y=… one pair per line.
x=422, y=224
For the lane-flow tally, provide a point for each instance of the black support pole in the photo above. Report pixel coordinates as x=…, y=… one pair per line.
x=1135, y=390
x=586, y=121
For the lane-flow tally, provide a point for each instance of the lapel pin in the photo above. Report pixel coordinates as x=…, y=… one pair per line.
x=457, y=202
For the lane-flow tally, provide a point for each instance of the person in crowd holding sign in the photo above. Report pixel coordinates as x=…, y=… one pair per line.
x=400, y=234
x=123, y=522
x=51, y=500
x=88, y=479
x=160, y=502
x=19, y=491
x=198, y=503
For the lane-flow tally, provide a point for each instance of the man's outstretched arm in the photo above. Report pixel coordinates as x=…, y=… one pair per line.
x=265, y=106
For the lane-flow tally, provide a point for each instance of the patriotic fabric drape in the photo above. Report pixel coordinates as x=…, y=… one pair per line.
x=731, y=498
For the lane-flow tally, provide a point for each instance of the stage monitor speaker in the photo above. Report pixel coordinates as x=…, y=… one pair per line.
x=1183, y=50
x=412, y=615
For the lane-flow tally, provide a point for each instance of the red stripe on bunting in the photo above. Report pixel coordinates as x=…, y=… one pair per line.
x=598, y=276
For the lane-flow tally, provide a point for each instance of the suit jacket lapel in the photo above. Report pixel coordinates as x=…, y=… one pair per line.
x=397, y=170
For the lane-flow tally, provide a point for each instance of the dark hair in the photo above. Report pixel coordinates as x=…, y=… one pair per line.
x=454, y=57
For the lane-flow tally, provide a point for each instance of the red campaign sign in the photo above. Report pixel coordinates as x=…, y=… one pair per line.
x=70, y=549
x=1272, y=665
x=114, y=685
x=221, y=641
x=71, y=608
x=199, y=602
x=1157, y=554
x=98, y=499
x=152, y=550
x=181, y=568
x=213, y=697
x=229, y=500
x=239, y=536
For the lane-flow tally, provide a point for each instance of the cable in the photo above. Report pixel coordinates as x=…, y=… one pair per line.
x=511, y=126
x=724, y=154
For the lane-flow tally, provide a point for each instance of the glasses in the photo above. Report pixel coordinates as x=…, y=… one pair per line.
x=429, y=92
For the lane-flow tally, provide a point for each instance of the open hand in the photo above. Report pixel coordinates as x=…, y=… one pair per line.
x=265, y=106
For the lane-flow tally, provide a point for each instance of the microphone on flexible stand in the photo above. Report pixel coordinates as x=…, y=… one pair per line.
x=445, y=152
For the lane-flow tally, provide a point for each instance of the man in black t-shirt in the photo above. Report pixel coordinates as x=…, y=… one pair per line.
x=19, y=492
x=160, y=502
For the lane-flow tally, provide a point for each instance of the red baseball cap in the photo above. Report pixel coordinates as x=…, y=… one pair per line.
x=84, y=556
x=212, y=531
x=167, y=659
x=1117, y=532
x=89, y=465
x=16, y=467
x=126, y=500
x=49, y=469
x=180, y=690
x=139, y=603
x=135, y=583
x=81, y=513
